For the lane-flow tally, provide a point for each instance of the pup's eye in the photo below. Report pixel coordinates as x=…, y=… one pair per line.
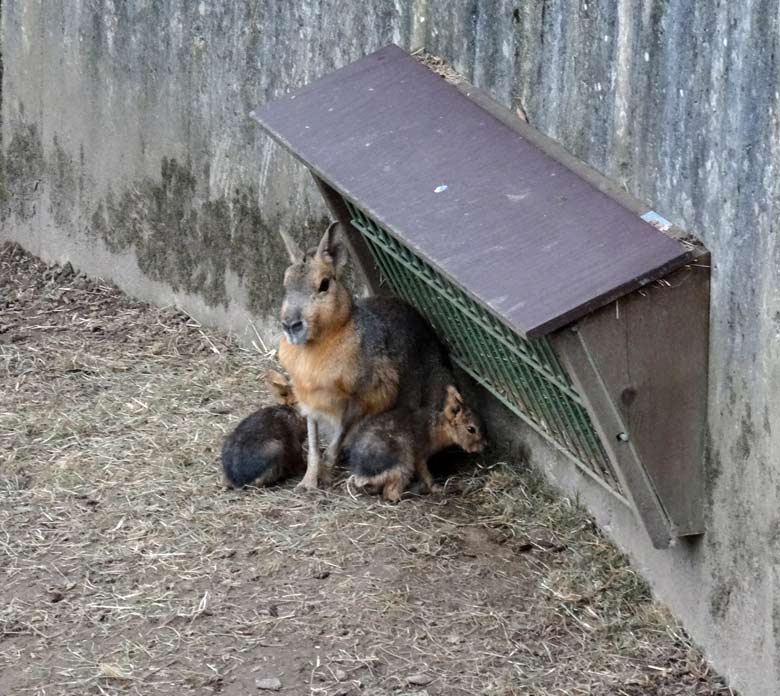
x=471, y=429
x=324, y=285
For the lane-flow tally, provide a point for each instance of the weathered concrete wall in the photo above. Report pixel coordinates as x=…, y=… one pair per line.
x=679, y=102
x=127, y=149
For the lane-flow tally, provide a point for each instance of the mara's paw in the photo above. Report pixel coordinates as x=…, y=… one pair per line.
x=307, y=483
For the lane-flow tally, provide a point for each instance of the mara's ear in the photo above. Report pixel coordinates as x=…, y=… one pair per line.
x=453, y=404
x=293, y=250
x=280, y=386
x=331, y=250
x=277, y=379
x=455, y=394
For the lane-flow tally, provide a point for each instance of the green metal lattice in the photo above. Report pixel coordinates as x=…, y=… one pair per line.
x=525, y=375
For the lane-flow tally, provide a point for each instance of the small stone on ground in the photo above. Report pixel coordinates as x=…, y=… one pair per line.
x=269, y=684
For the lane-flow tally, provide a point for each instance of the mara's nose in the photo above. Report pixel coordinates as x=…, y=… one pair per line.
x=293, y=327
x=478, y=446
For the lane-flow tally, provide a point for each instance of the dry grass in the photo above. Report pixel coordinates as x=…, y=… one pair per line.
x=126, y=568
x=439, y=66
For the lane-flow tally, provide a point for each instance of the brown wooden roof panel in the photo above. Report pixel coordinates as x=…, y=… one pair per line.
x=513, y=227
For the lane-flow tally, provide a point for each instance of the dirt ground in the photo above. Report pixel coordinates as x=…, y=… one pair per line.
x=126, y=568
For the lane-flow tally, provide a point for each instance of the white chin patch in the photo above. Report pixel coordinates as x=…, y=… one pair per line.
x=294, y=340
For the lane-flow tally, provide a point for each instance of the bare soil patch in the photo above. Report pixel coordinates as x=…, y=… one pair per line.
x=126, y=568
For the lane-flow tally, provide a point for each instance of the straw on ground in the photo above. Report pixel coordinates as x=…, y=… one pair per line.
x=126, y=568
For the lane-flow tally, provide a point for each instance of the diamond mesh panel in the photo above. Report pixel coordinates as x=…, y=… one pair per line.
x=525, y=375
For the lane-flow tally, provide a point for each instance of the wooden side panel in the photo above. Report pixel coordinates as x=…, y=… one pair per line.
x=650, y=351
x=658, y=377
x=606, y=417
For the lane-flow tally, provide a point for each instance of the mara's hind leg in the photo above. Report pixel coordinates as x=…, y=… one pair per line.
x=332, y=455
x=391, y=483
x=367, y=484
x=378, y=397
x=353, y=414
x=395, y=482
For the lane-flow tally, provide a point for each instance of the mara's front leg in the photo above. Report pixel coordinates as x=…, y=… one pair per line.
x=424, y=473
x=332, y=453
x=312, y=475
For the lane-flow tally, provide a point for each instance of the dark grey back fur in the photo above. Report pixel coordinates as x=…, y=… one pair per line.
x=265, y=447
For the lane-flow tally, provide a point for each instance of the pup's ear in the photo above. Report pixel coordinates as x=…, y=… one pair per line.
x=453, y=404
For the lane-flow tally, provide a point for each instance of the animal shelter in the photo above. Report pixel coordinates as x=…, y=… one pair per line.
x=582, y=198
x=586, y=321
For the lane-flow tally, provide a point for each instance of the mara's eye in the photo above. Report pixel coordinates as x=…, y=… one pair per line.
x=324, y=285
x=471, y=429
